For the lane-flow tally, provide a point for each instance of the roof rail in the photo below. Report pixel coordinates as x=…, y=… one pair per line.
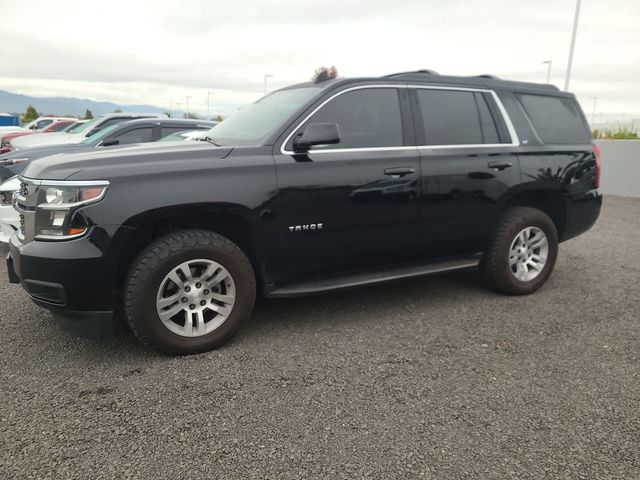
x=425, y=71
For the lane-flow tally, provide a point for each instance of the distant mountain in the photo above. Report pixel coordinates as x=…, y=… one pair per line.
x=14, y=102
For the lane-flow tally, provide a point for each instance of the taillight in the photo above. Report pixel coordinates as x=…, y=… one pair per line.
x=596, y=149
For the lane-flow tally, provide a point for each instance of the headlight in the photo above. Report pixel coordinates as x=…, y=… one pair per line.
x=56, y=213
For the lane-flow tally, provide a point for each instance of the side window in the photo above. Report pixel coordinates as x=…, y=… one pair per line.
x=43, y=123
x=487, y=123
x=366, y=118
x=452, y=117
x=556, y=119
x=138, y=135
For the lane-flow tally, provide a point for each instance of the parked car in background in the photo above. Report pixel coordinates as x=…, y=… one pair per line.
x=122, y=134
x=75, y=127
x=37, y=124
x=182, y=136
x=86, y=130
x=57, y=126
x=488, y=174
x=9, y=219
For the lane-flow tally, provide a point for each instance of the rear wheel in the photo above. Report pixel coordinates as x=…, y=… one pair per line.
x=188, y=292
x=523, y=252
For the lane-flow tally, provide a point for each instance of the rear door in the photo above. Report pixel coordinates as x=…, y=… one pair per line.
x=469, y=161
x=352, y=204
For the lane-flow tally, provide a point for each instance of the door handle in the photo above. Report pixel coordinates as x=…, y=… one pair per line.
x=399, y=171
x=500, y=164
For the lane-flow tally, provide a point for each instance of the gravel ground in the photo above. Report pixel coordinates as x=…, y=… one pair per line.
x=433, y=378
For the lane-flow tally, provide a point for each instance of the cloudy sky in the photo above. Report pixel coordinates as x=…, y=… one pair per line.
x=159, y=52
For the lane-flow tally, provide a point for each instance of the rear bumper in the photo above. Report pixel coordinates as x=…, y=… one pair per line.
x=582, y=212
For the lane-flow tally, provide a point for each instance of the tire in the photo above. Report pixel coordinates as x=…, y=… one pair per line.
x=174, y=256
x=497, y=268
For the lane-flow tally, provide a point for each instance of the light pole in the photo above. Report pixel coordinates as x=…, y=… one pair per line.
x=188, y=97
x=593, y=114
x=265, y=82
x=208, y=96
x=573, y=45
x=548, y=63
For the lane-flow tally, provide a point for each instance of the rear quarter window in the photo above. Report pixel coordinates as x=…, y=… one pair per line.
x=555, y=119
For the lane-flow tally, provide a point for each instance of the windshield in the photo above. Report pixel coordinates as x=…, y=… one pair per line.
x=254, y=122
x=96, y=137
x=88, y=126
x=73, y=128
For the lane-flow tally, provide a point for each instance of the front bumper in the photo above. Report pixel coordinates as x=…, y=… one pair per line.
x=75, y=279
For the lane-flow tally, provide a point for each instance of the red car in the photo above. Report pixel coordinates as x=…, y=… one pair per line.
x=5, y=141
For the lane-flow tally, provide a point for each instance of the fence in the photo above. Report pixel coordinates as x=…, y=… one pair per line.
x=620, y=167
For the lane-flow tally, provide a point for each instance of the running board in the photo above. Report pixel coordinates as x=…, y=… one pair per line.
x=371, y=276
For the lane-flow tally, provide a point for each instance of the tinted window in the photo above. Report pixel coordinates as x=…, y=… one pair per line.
x=139, y=135
x=450, y=117
x=487, y=123
x=366, y=118
x=42, y=123
x=556, y=119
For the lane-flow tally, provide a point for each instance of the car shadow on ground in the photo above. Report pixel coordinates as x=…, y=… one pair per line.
x=342, y=307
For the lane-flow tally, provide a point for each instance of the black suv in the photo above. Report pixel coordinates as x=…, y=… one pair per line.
x=317, y=186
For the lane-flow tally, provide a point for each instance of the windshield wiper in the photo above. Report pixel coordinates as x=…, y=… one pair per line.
x=210, y=140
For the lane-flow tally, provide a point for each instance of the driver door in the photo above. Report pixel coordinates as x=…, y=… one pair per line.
x=355, y=203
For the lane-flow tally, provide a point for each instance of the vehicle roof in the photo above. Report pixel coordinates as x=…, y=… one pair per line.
x=132, y=114
x=427, y=77
x=168, y=121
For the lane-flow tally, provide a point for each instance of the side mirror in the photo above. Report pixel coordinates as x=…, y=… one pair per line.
x=317, y=134
x=110, y=142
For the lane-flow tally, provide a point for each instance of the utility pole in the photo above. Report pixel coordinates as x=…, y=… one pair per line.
x=208, y=112
x=188, y=97
x=573, y=45
x=548, y=63
x=593, y=114
x=265, y=82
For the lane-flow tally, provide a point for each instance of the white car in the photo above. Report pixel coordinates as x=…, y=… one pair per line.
x=86, y=130
x=9, y=218
x=37, y=124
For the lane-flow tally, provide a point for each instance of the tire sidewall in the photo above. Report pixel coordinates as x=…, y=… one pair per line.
x=143, y=308
x=533, y=218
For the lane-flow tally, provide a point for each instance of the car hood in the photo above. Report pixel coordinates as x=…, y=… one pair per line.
x=40, y=139
x=123, y=161
x=39, y=152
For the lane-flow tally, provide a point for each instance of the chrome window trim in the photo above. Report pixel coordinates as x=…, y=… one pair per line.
x=515, y=142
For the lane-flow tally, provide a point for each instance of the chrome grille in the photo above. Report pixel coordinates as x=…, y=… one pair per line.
x=25, y=202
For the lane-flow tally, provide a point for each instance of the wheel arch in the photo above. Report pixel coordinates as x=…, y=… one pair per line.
x=550, y=201
x=236, y=222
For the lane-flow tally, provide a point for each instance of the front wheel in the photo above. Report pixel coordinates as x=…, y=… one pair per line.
x=189, y=292
x=523, y=252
